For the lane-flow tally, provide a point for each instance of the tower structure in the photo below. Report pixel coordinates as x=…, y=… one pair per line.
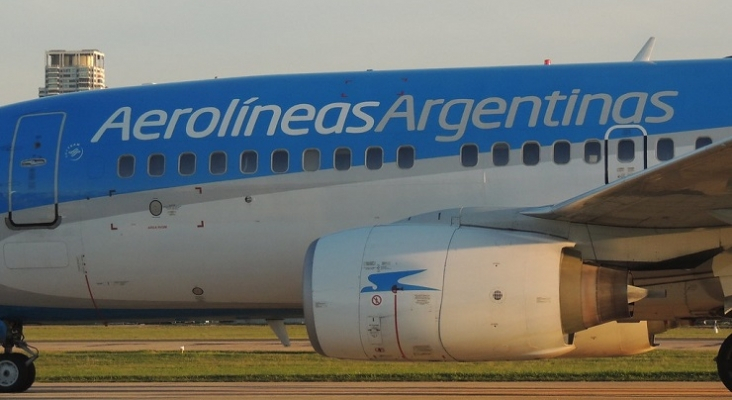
x=70, y=71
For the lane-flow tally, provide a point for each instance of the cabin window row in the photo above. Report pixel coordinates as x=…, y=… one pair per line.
x=280, y=161
x=561, y=152
x=405, y=157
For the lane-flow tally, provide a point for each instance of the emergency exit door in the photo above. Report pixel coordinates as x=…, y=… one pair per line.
x=626, y=151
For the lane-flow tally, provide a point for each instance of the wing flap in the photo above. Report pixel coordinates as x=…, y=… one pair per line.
x=692, y=191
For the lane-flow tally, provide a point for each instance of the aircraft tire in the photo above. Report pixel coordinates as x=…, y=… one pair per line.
x=30, y=378
x=724, y=362
x=15, y=375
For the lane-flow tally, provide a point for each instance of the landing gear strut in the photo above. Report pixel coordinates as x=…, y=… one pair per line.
x=17, y=371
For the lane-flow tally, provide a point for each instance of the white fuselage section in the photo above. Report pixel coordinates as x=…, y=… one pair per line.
x=240, y=244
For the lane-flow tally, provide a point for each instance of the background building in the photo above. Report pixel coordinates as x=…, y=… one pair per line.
x=73, y=71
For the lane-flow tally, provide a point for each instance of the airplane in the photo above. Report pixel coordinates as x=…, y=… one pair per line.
x=463, y=214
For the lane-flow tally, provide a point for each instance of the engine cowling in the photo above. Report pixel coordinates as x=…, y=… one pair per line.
x=616, y=339
x=441, y=292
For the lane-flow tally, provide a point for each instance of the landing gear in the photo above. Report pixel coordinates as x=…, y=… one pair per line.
x=17, y=371
x=724, y=362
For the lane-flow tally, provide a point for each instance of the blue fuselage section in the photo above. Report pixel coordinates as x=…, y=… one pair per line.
x=434, y=111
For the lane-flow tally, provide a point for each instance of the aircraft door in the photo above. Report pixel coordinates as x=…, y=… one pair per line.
x=33, y=180
x=626, y=151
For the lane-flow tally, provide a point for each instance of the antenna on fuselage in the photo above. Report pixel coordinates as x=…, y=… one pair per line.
x=645, y=53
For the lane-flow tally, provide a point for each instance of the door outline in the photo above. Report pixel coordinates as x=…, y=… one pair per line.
x=47, y=223
x=607, y=146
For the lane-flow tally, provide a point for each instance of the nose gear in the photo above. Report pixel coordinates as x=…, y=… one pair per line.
x=17, y=370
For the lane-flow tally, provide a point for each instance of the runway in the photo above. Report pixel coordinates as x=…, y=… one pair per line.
x=380, y=390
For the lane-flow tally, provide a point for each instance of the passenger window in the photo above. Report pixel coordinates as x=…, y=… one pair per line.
x=469, y=155
x=703, y=141
x=342, y=159
x=248, y=162
x=561, y=152
x=374, y=157
x=187, y=164
x=156, y=165
x=280, y=161
x=217, y=163
x=405, y=157
x=593, y=151
x=500, y=154
x=530, y=153
x=626, y=150
x=665, y=149
x=126, y=166
x=311, y=160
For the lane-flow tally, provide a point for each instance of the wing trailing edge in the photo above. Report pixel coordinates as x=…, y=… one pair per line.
x=692, y=191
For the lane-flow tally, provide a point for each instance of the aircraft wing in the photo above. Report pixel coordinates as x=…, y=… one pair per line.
x=692, y=191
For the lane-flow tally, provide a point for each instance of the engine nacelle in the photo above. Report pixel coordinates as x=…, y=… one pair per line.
x=440, y=292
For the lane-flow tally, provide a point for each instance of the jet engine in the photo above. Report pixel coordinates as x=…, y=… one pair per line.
x=441, y=292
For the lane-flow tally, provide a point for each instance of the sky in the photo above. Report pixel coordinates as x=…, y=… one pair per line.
x=160, y=41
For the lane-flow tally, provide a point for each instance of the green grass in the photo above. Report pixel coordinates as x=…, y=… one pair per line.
x=695, y=333
x=236, y=332
x=143, y=366
x=242, y=366
x=157, y=332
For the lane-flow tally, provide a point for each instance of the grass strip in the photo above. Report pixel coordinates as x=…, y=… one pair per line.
x=150, y=366
x=236, y=332
x=695, y=333
x=157, y=332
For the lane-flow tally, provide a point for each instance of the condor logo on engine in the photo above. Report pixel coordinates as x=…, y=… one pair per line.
x=389, y=282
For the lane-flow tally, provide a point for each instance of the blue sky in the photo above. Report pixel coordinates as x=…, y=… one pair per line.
x=173, y=40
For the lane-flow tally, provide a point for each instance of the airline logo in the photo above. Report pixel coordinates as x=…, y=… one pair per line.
x=447, y=118
x=389, y=282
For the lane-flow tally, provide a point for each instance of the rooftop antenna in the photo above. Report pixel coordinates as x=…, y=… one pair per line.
x=645, y=53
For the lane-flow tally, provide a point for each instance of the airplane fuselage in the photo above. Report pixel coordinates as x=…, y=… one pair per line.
x=199, y=199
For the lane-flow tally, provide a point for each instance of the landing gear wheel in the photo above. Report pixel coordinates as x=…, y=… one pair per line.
x=724, y=362
x=15, y=375
x=17, y=370
x=31, y=377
